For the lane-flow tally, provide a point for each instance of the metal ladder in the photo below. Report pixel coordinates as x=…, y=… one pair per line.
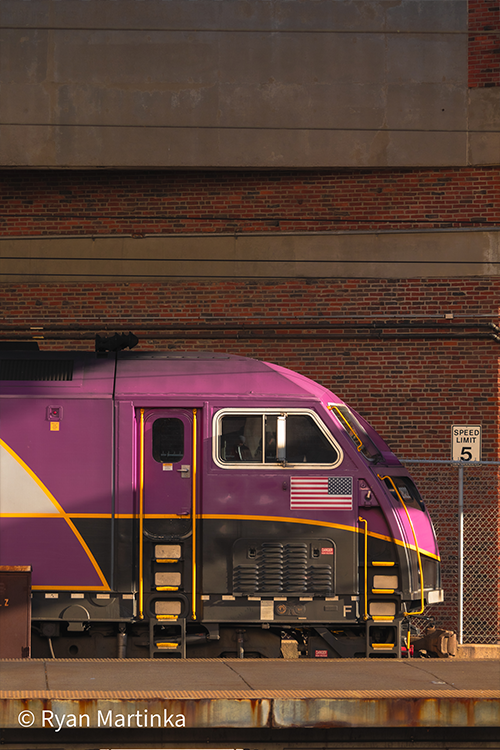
x=391, y=624
x=167, y=623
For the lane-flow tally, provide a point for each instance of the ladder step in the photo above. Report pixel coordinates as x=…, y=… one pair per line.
x=167, y=633
x=383, y=636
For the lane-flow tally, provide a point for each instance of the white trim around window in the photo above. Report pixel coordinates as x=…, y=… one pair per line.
x=276, y=465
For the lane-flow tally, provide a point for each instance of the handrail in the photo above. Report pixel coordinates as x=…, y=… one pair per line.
x=141, y=517
x=363, y=520
x=193, y=519
x=447, y=462
x=420, y=570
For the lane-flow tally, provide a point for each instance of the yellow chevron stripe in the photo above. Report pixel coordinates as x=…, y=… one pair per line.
x=62, y=513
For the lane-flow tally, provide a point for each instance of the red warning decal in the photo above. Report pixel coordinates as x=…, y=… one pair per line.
x=327, y=550
x=320, y=654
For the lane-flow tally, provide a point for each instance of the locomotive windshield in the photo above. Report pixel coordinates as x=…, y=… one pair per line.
x=356, y=432
x=279, y=438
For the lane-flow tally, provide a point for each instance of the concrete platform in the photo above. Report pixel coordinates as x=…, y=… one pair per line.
x=60, y=695
x=478, y=651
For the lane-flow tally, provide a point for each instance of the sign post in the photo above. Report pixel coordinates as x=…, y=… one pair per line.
x=465, y=446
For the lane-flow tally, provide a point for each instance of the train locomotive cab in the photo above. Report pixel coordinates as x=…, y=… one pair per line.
x=199, y=504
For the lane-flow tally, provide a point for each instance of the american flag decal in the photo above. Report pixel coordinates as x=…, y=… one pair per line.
x=321, y=493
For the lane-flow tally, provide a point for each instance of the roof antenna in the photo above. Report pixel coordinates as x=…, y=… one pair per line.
x=115, y=343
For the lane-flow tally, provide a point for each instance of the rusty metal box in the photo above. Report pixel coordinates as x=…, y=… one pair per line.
x=15, y=612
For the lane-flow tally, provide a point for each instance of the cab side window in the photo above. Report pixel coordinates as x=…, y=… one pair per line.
x=240, y=437
x=279, y=438
x=305, y=443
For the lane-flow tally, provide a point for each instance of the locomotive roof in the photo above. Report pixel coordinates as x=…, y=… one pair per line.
x=210, y=373
x=138, y=374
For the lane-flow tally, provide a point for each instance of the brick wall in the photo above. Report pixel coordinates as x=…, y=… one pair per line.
x=484, y=43
x=144, y=202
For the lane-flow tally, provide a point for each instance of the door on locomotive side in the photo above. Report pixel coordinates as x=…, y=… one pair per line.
x=166, y=455
x=168, y=462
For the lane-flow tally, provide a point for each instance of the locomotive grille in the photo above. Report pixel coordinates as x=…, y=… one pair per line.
x=34, y=369
x=280, y=568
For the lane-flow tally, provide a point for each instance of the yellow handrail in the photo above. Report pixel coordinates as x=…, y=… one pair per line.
x=420, y=570
x=363, y=520
x=141, y=517
x=193, y=520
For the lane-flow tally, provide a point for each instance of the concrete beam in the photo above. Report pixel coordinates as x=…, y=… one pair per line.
x=310, y=255
x=272, y=83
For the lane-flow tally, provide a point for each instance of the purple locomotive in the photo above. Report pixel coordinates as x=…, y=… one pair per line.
x=207, y=505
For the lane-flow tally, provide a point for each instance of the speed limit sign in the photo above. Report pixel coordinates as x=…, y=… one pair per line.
x=466, y=442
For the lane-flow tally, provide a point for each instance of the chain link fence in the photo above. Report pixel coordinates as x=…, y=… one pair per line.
x=463, y=501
